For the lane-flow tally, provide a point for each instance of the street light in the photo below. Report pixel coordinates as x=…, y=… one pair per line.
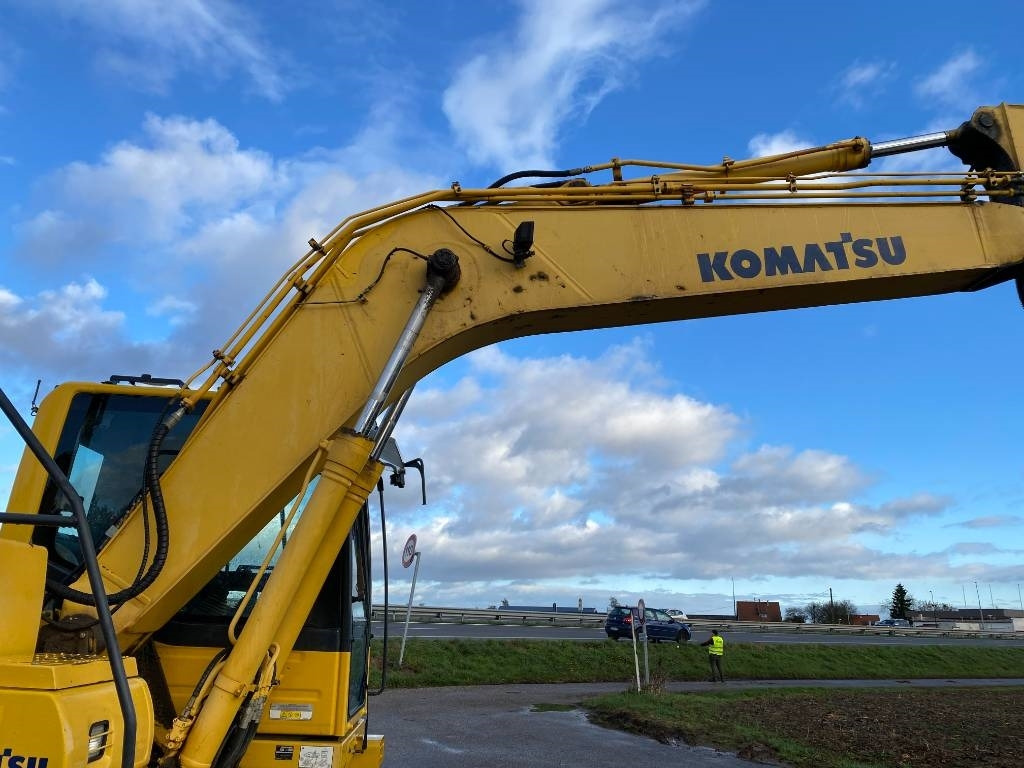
x=935, y=610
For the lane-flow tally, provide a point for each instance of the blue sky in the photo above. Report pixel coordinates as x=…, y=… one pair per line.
x=161, y=163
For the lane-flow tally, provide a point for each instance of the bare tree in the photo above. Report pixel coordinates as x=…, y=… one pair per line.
x=796, y=616
x=837, y=612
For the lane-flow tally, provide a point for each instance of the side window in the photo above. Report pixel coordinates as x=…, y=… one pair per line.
x=222, y=595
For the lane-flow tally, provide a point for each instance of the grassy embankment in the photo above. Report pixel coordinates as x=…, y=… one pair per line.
x=482, y=662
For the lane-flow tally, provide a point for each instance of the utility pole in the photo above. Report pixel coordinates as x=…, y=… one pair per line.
x=981, y=614
x=935, y=609
x=831, y=608
x=1019, y=599
x=734, y=596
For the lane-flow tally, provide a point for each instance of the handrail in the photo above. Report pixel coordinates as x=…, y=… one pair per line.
x=92, y=567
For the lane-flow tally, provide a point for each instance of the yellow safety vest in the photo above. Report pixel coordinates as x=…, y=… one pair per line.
x=717, y=645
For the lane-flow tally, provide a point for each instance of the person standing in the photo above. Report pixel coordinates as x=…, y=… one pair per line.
x=716, y=649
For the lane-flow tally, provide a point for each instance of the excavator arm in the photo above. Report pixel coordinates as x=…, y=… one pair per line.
x=394, y=293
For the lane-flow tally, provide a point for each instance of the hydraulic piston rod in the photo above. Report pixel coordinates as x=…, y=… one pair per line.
x=442, y=275
x=910, y=144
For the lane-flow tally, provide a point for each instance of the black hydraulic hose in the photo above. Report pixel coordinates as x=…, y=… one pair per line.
x=217, y=658
x=384, y=547
x=159, y=515
x=92, y=567
x=539, y=174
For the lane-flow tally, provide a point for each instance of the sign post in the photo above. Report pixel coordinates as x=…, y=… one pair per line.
x=642, y=610
x=632, y=625
x=408, y=555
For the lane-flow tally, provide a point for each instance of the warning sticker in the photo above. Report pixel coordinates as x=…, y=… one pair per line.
x=316, y=757
x=291, y=711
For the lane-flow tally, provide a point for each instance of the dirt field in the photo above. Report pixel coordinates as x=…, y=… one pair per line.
x=911, y=729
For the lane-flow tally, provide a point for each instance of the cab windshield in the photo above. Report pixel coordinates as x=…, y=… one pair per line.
x=102, y=449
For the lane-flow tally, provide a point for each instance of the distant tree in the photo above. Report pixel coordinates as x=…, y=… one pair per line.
x=504, y=602
x=796, y=616
x=836, y=612
x=817, y=612
x=901, y=603
x=927, y=606
x=613, y=602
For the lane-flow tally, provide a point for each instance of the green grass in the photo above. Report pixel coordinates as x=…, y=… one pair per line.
x=484, y=662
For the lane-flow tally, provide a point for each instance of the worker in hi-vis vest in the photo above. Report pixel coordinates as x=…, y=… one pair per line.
x=716, y=648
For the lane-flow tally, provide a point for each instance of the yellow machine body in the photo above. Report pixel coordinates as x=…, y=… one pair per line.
x=285, y=413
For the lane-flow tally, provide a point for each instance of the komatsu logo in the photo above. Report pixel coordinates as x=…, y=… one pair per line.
x=844, y=253
x=8, y=760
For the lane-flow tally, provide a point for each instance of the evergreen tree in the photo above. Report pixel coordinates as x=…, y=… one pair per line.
x=901, y=603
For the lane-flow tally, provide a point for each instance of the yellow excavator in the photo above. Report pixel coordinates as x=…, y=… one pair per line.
x=186, y=564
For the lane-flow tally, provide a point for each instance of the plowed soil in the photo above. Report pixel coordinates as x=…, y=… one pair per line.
x=923, y=728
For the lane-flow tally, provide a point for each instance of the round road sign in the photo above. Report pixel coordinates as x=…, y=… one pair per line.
x=409, y=551
x=641, y=610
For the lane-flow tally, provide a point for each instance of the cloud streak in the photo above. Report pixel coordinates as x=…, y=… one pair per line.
x=148, y=43
x=507, y=105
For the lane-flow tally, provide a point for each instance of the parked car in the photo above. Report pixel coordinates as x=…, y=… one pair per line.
x=892, y=623
x=658, y=624
x=676, y=614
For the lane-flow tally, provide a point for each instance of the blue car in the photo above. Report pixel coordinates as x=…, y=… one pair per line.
x=658, y=624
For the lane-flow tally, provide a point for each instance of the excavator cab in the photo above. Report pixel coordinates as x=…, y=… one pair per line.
x=100, y=438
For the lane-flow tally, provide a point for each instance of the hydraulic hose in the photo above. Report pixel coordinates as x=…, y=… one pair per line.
x=539, y=175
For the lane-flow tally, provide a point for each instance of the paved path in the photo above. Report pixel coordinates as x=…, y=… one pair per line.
x=496, y=725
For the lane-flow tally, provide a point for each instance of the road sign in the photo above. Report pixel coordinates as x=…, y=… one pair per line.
x=409, y=551
x=641, y=609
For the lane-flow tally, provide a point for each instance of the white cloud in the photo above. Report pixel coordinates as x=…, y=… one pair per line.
x=66, y=329
x=552, y=469
x=764, y=144
x=182, y=175
x=864, y=79
x=952, y=84
x=175, y=309
x=507, y=105
x=990, y=521
x=146, y=43
x=173, y=217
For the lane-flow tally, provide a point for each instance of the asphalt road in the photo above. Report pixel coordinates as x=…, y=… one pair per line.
x=509, y=726
x=441, y=631
x=498, y=726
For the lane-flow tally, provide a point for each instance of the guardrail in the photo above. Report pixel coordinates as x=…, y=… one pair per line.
x=491, y=616
x=426, y=614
